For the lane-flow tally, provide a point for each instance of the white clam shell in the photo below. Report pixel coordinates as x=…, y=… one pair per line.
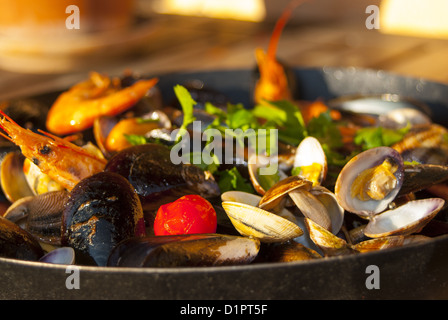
x=404, y=220
x=254, y=222
x=308, y=152
x=256, y=162
x=365, y=160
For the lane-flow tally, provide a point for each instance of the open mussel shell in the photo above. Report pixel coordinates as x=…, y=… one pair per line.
x=194, y=250
x=404, y=220
x=254, y=222
x=364, y=161
x=62, y=255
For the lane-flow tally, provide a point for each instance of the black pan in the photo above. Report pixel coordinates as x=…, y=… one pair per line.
x=418, y=271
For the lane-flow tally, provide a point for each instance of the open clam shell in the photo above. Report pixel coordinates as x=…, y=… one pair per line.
x=254, y=222
x=405, y=220
x=366, y=160
x=277, y=193
x=62, y=255
x=310, y=158
x=262, y=182
x=334, y=209
x=13, y=180
x=254, y=200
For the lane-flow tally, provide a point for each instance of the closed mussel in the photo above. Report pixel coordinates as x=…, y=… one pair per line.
x=101, y=211
x=156, y=179
x=195, y=250
x=17, y=243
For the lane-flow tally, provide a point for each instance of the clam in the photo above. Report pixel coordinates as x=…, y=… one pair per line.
x=261, y=180
x=252, y=221
x=196, y=250
x=13, y=181
x=298, y=189
x=333, y=208
x=370, y=181
x=38, y=181
x=254, y=200
x=310, y=161
x=404, y=220
x=40, y=215
x=62, y=255
x=332, y=245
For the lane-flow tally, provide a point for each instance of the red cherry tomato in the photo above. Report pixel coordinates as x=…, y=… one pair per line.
x=187, y=215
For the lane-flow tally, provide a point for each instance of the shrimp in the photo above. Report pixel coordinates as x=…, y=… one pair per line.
x=76, y=109
x=63, y=161
x=273, y=83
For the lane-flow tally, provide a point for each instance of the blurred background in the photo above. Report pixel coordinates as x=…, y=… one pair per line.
x=44, y=46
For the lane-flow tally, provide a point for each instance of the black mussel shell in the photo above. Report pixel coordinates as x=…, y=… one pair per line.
x=16, y=243
x=190, y=250
x=101, y=211
x=156, y=179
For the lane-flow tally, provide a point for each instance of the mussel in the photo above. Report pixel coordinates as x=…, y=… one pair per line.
x=101, y=211
x=156, y=179
x=16, y=243
x=196, y=250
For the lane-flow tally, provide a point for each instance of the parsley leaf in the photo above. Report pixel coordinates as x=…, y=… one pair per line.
x=285, y=116
x=371, y=137
x=187, y=103
x=231, y=179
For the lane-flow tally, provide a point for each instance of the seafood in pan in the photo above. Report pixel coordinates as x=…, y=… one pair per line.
x=342, y=185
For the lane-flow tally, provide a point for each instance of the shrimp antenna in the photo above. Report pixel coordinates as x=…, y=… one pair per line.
x=5, y=116
x=279, y=26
